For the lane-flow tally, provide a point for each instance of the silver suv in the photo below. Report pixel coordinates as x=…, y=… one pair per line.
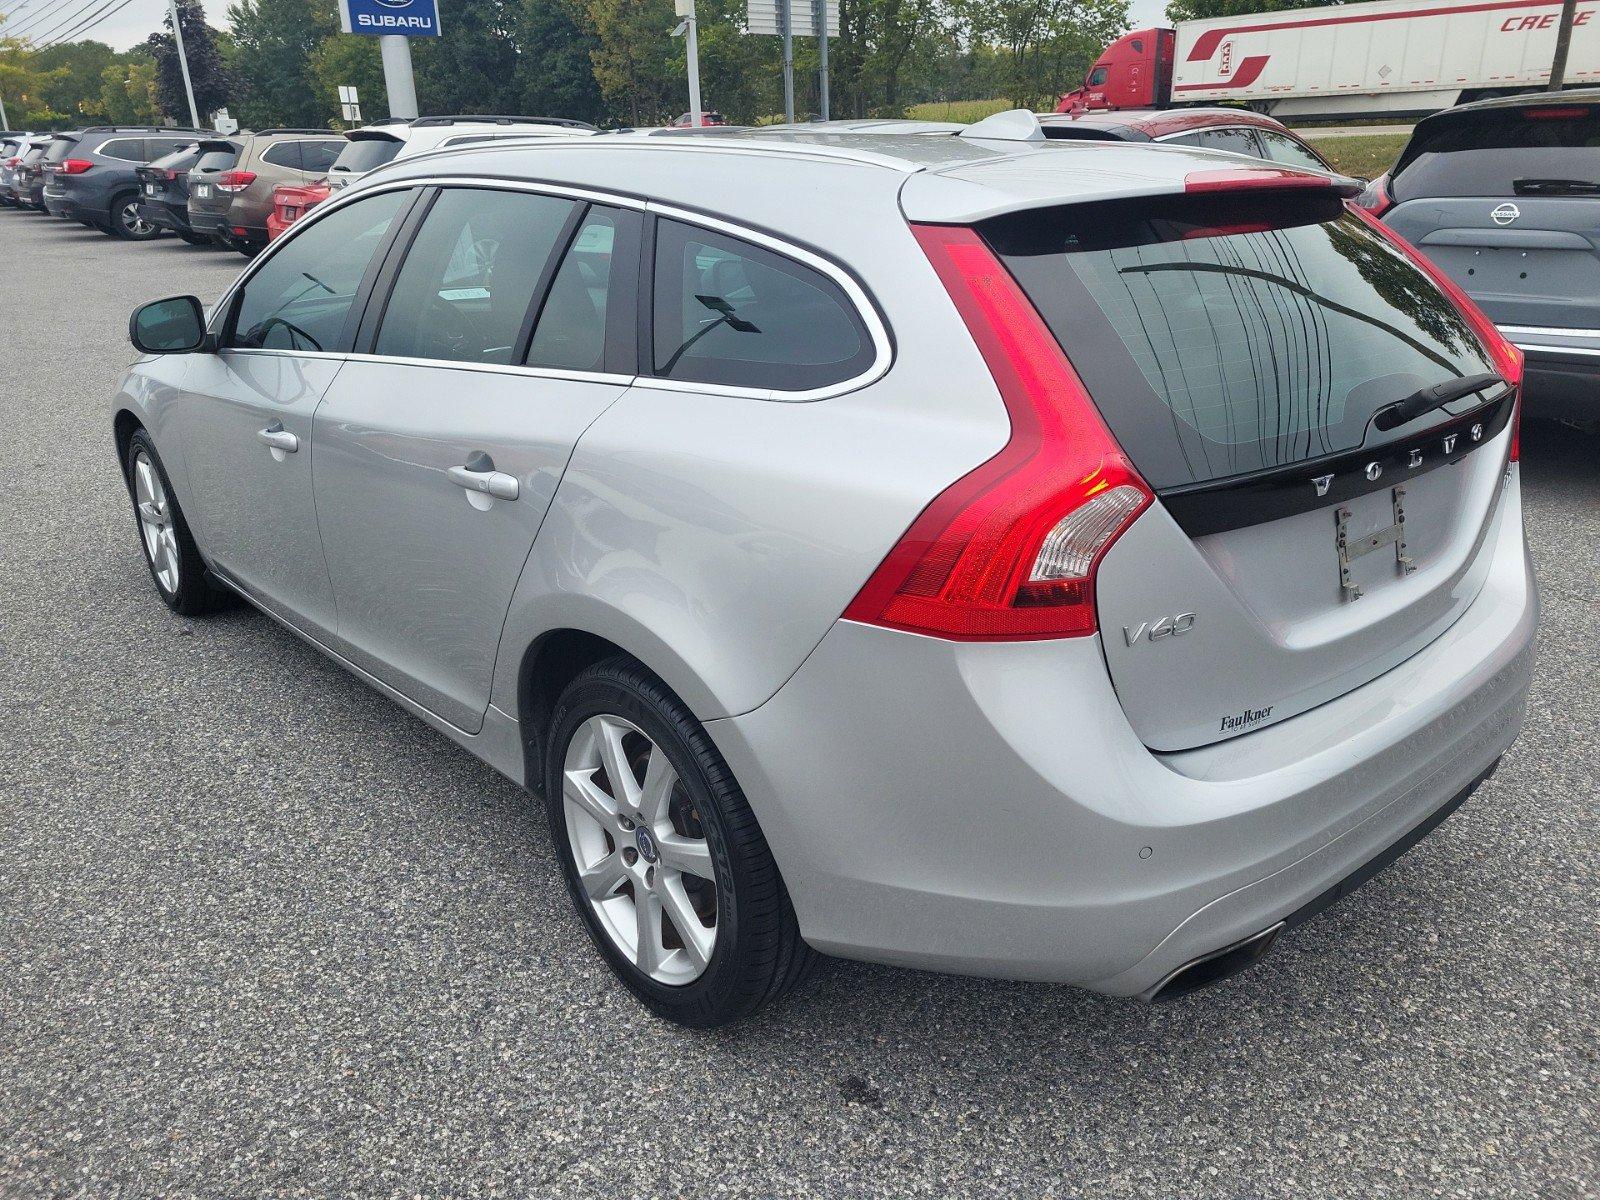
x=1039, y=560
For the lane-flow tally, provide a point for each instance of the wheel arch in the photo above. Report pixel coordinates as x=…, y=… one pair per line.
x=123, y=426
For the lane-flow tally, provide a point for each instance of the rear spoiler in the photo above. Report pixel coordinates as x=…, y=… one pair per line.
x=1269, y=178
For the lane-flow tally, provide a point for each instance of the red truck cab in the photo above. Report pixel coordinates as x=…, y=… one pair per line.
x=1135, y=71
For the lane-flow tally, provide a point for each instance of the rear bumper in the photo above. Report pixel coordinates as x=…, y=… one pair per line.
x=58, y=205
x=986, y=809
x=214, y=223
x=1562, y=374
x=168, y=216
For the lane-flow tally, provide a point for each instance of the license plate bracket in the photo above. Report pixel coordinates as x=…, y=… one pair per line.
x=1351, y=547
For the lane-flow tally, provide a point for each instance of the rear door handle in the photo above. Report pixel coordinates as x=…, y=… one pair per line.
x=280, y=440
x=478, y=475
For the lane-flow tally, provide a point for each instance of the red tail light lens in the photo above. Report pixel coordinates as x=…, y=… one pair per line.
x=235, y=181
x=1009, y=551
x=1507, y=359
x=73, y=166
x=1375, y=198
x=1572, y=112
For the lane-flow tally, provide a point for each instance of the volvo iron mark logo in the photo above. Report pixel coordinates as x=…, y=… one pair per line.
x=1504, y=214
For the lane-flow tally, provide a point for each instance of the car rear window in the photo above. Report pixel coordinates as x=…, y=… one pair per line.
x=217, y=160
x=1227, y=335
x=59, y=149
x=1489, y=153
x=363, y=154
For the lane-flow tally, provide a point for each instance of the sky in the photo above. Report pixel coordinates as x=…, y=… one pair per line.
x=141, y=18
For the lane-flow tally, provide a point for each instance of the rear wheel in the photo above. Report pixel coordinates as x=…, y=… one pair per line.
x=126, y=222
x=169, y=550
x=662, y=855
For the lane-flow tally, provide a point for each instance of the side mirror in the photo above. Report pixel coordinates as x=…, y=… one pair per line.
x=176, y=325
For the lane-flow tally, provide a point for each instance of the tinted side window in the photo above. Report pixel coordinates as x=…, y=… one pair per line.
x=1184, y=139
x=1288, y=151
x=126, y=149
x=319, y=156
x=571, y=333
x=729, y=312
x=283, y=154
x=1236, y=141
x=299, y=298
x=468, y=280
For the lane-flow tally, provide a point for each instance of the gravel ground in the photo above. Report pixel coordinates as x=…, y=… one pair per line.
x=262, y=933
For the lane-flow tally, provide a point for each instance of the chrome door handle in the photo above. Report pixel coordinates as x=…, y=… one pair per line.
x=279, y=438
x=477, y=474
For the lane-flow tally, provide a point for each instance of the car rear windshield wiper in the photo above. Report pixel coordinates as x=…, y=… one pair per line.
x=1423, y=400
x=1555, y=187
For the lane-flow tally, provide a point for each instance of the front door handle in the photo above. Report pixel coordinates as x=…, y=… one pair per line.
x=279, y=440
x=479, y=478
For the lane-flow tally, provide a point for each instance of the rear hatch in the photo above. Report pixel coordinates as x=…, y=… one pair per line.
x=216, y=158
x=1507, y=202
x=1241, y=346
x=368, y=148
x=60, y=148
x=166, y=180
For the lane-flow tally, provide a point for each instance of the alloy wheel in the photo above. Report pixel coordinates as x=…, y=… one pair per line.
x=640, y=850
x=155, y=522
x=132, y=222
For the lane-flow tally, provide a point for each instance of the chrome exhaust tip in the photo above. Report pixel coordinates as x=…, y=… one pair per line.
x=1215, y=967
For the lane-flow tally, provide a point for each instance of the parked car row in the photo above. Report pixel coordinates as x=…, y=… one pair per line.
x=238, y=190
x=1051, y=558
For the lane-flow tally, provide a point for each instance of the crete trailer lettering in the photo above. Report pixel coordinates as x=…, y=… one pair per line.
x=1386, y=57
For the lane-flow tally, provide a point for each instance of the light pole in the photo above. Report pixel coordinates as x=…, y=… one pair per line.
x=1558, y=65
x=183, y=64
x=689, y=28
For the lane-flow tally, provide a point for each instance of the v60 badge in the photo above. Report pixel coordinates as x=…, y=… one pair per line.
x=1173, y=626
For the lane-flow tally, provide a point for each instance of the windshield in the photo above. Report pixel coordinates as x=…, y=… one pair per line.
x=1537, y=149
x=1221, y=336
x=362, y=154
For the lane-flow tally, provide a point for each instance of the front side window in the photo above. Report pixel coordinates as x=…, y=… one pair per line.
x=1097, y=77
x=1289, y=152
x=732, y=313
x=469, y=278
x=300, y=297
x=571, y=332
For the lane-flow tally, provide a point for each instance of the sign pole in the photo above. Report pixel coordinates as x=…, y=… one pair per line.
x=819, y=14
x=689, y=27
x=183, y=64
x=398, y=80
x=786, y=19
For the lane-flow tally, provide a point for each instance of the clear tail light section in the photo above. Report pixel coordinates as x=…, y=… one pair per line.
x=1507, y=358
x=235, y=181
x=1375, y=198
x=1009, y=551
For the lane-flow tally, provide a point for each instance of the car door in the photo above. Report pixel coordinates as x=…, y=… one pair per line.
x=507, y=328
x=247, y=423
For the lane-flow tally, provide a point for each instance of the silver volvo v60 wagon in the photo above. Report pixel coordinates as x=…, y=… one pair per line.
x=1055, y=561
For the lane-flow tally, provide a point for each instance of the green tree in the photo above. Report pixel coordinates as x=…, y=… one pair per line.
x=634, y=60
x=345, y=60
x=274, y=44
x=128, y=92
x=1047, y=43
x=206, y=70
x=77, y=69
x=473, y=67
x=554, y=73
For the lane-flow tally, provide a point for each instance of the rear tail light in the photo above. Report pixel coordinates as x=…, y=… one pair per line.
x=1507, y=359
x=1010, y=550
x=1566, y=112
x=1375, y=198
x=73, y=166
x=171, y=175
x=235, y=181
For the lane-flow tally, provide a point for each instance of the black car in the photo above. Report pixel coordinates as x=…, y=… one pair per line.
x=164, y=193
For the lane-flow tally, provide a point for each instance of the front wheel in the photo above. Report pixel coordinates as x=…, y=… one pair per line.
x=126, y=223
x=169, y=550
x=662, y=855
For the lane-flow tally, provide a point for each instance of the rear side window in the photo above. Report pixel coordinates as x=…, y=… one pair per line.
x=1529, y=150
x=319, y=156
x=283, y=154
x=1235, y=141
x=1286, y=150
x=363, y=154
x=299, y=298
x=571, y=332
x=126, y=149
x=732, y=313
x=469, y=279
x=1224, y=335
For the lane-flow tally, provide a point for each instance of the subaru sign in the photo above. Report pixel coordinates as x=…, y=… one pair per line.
x=385, y=18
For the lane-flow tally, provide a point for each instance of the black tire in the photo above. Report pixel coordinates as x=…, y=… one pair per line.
x=758, y=955
x=125, y=223
x=195, y=594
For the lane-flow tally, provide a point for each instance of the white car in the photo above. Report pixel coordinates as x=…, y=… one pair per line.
x=373, y=145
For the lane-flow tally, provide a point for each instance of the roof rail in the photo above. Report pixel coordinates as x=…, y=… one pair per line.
x=314, y=132
x=483, y=119
x=1013, y=125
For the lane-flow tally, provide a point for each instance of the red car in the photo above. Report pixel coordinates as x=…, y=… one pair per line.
x=290, y=201
x=1233, y=129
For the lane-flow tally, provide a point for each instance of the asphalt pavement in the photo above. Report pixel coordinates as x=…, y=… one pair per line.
x=264, y=934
